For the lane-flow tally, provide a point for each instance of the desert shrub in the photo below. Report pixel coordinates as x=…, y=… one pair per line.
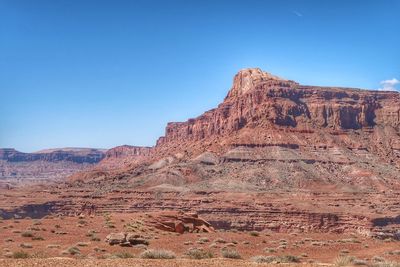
x=220, y=240
x=37, y=238
x=74, y=250
x=343, y=261
x=288, y=259
x=204, y=239
x=53, y=246
x=359, y=262
x=95, y=239
x=82, y=244
x=26, y=245
x=20, y=255
x=263, y=259
x=230, y=254
x=378, y=259
x=157, y=254
x=270, y=250
x=276, y=259
x=27, y=234
x=199, y=254
x=385, y=264
x=254, y=233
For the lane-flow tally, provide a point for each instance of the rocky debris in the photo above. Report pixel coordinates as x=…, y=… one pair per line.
x=126, y=239
x=180, y=222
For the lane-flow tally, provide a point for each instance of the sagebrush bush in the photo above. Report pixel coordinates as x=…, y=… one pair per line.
x=263, y=259
x=230, y=254
x=199, y=254
x=157, y=254
x=74, y=250
x=344, y=261
x=20, y=255
x=254, y=233
x=27, y=234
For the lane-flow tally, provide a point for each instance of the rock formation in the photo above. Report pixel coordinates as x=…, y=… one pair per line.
x=180, y=222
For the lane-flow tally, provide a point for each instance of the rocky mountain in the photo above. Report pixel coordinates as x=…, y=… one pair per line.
x=270, y=132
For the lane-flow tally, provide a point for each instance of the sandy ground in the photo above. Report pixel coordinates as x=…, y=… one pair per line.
x=63, y=262
x=53, y=236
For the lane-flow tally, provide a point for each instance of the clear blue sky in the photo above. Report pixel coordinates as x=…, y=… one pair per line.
x=105, y=73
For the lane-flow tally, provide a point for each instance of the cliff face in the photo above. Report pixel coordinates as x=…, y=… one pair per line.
x=265, y=110
x=258, y=99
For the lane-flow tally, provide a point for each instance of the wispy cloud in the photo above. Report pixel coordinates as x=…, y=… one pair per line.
x=389, y=85
x=297, y=13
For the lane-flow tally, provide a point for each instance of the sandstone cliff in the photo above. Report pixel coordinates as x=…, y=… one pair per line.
x=275, y=107
x=271, y=132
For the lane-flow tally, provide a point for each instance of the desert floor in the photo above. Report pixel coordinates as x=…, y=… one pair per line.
x=80, y=241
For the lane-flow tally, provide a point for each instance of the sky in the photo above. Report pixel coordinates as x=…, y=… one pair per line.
x=97, y=73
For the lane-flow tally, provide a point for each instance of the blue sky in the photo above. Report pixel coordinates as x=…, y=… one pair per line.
x=105, y=73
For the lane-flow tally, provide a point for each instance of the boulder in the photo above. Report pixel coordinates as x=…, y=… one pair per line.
x=136, y=239
x=180, y=222
x=116, y=238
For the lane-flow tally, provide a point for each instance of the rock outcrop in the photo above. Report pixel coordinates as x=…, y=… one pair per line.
x=126, y=239
x=180, y=222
